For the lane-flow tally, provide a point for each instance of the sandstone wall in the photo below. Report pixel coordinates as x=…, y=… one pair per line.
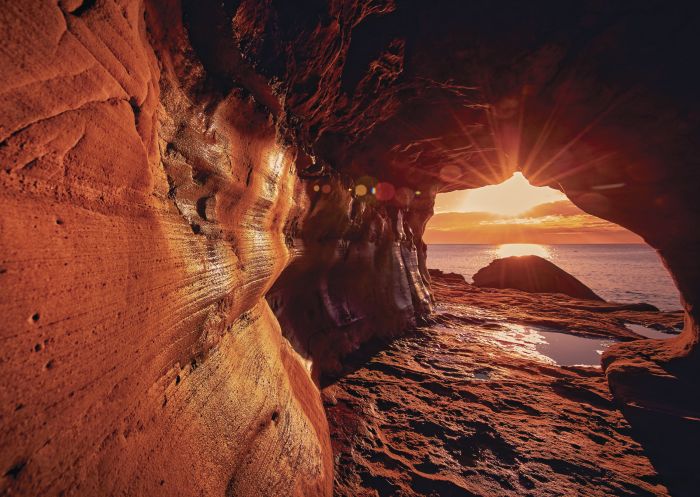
x=357, y=277
x=143, y=221
x=151, y=199
x=159, y=165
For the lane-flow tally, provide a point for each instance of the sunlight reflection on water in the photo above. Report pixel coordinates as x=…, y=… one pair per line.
x=532, y=342
x=618, y=273
x=518, y=249
x=549, y=347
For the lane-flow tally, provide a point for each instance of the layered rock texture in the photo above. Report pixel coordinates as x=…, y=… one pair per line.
x=531, y=273
x=144, y=219
x=461, y=408
x=167, y=165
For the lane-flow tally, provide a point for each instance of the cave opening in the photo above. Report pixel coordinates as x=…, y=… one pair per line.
x=471, y=228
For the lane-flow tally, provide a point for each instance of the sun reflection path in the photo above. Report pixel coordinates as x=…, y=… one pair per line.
x=518, y=249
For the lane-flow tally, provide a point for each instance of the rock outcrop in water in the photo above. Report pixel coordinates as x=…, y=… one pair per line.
x=179, y=178
x=531, y=273
x=590, y=318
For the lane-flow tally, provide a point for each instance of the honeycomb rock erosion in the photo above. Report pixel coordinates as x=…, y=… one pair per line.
x=532, y=274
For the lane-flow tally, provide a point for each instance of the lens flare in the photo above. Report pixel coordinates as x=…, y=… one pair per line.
x=360, y=190
x=384, y=191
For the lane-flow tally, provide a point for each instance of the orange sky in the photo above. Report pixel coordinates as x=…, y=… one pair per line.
x=491, y=215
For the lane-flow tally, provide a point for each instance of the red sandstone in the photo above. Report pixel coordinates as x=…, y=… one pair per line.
x=182, y=255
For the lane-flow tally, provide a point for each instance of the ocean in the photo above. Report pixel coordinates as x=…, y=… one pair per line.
x=618, y=273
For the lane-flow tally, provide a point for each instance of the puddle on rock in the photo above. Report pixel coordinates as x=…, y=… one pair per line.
x=572, y=350
x=539, y=344
x=534, y=342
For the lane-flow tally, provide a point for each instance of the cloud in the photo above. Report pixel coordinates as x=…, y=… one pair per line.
x=559, y=208
x=553, y=222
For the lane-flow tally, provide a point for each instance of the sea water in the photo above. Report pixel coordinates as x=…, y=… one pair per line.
x=618, y=273
x=626, y=273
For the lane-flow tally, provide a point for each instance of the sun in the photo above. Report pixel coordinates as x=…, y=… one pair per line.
x=518, y=249
x=513, y=196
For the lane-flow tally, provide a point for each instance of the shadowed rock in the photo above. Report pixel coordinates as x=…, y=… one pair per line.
x=533, y=274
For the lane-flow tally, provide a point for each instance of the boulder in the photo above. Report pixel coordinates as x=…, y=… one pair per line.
x=531, y=273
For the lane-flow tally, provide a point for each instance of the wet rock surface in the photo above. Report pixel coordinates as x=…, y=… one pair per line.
x=533, y=274
x=558, y=312
x=450, y=411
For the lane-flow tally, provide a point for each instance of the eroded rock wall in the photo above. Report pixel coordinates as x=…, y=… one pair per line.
x=357, y=277
x=151, y=199
x=144, y=217
x=597, y=100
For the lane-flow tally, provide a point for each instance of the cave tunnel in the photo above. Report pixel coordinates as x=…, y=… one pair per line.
x=209, y=207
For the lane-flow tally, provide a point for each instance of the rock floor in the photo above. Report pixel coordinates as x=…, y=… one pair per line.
x=448, y=411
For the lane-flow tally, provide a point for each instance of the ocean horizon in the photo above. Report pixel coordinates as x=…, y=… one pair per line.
x=618, y=272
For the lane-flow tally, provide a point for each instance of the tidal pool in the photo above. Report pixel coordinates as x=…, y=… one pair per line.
x=540, y=344
x=572, y=350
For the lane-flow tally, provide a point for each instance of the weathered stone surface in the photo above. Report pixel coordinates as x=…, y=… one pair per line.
x=451, y=410
x=143, y=220
x=357, y=278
